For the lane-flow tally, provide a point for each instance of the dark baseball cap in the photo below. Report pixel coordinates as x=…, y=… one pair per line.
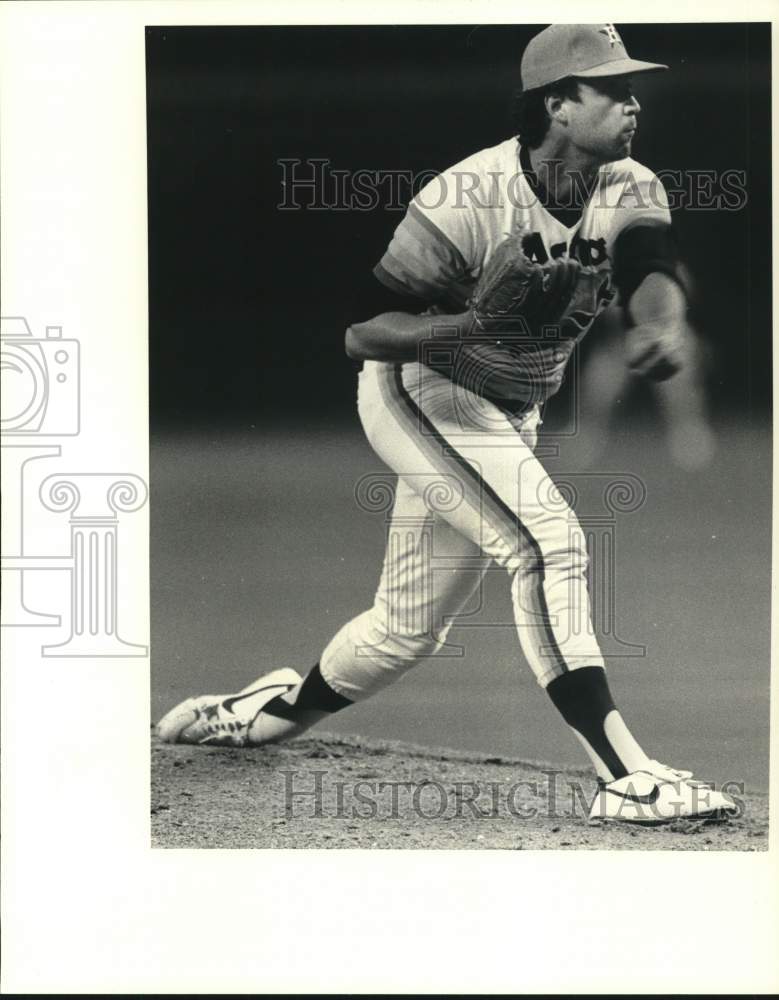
x=577, y=50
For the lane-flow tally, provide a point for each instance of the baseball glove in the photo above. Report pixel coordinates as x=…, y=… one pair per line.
x=508, y=357
x=514, y=294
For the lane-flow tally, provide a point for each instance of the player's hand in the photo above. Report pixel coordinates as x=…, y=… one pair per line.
x=657, y=350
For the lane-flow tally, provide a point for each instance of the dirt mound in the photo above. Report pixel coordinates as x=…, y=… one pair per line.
x=351, y=792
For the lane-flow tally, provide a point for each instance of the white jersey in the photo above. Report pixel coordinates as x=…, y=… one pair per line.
x=454, y=224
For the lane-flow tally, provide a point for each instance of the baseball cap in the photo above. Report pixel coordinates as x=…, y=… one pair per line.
x=577, y=50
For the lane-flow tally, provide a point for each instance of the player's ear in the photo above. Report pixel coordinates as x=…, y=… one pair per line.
x=555, y=108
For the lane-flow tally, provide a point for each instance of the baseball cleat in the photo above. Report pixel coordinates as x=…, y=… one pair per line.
x=224, y=720
x=659, y=794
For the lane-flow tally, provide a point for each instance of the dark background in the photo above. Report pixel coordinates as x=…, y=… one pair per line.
x=248, y=304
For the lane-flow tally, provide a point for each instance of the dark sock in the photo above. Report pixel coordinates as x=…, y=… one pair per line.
x=313, y=695
x=583, y=699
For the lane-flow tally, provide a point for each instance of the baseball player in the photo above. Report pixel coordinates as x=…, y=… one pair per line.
x=499, y=267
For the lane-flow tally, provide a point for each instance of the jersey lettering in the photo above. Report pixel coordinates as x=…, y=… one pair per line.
x=590, y=253
x=593, y=290
x=534, y=249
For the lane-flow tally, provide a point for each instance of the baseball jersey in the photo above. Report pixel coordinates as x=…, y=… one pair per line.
x=454, y=224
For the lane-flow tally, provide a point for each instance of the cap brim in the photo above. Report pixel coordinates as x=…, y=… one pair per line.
x=619, y=67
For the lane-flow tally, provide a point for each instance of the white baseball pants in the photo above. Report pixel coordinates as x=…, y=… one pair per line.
x=470, y=490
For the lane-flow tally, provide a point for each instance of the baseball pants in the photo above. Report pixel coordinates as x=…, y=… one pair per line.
x=469, y=491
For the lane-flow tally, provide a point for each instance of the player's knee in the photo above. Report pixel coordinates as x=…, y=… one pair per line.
x=579, y=547
x=561, y=544
x=405, y=647
x=399, y=642
x=561, y=530
x=571, y=557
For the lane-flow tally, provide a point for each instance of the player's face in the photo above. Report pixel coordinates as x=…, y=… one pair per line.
x=604, y=120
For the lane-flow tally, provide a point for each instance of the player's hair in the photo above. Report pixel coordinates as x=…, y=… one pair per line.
x=528, y=112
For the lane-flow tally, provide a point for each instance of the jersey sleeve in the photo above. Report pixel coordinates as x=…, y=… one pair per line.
x=637, y=199
x=640, y=239
x=641, y=250
x=436, y=249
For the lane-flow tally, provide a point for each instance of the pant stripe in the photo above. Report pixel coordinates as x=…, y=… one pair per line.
x=396, y=392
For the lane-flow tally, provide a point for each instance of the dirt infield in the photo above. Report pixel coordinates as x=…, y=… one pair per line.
x=351, y=792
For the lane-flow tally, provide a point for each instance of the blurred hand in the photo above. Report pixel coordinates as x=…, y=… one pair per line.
x=657, y=349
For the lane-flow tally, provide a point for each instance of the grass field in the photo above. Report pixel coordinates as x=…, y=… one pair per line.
x=259, y=553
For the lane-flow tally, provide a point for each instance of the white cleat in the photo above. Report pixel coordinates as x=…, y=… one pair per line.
x=224, y=719
x=660, y=794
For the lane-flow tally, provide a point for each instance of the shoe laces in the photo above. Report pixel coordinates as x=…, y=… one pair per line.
x=219, y=729
x=667, y=773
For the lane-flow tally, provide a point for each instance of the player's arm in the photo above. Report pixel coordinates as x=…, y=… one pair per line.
x=397, y=336
x=429, y=262
x=659, y=337
x=398, y=322
x=646, y=272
